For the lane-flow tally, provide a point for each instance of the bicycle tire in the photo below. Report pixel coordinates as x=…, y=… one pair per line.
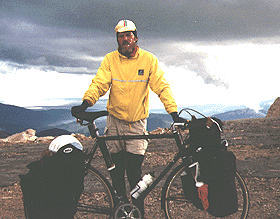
x=97, y=199
x=176, y=206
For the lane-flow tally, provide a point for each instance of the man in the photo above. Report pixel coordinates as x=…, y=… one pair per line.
x=129, y=73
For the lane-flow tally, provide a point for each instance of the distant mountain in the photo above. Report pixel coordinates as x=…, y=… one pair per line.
x=158, y=121
x=4, y=134
x=14, y=119
x=211, y=109
x=265, y=105
x=239, y=114
x=53, y=132
x=99, y=105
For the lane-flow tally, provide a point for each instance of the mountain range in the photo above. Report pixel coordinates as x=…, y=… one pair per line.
x=14, y=119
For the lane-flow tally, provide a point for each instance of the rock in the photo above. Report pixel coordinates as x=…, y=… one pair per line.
x=79, y=136
x=23, y=137
x=46, y=139
x=274, y=110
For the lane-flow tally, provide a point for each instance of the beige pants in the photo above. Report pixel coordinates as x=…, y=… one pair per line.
x=120, y=127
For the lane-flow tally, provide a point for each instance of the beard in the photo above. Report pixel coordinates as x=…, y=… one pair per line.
x=127, y=48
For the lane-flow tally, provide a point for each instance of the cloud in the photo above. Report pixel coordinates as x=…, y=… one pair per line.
x=60, y=32
x=248, y=70
x=12, y=53
x=38, y=61
x=194, y=19
x=32, y=86
x=212, y=44
x=189, y=57
x=28, y=43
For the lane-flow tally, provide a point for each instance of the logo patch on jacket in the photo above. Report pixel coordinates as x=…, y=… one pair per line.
x=141, y=72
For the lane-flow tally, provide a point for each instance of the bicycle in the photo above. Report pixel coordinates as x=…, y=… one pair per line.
x=100, y=200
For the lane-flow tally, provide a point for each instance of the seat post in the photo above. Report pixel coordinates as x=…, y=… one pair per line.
x=93, y=130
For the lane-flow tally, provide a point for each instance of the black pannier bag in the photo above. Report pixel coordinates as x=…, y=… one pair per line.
x=53, y=185
x=218, y=172
x=217, y=165
x=205, y=133
x=190, y=190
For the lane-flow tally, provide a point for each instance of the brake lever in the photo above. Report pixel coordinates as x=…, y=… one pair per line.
x=180, y=125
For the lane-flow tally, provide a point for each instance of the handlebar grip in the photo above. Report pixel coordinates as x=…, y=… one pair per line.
x=181, y=125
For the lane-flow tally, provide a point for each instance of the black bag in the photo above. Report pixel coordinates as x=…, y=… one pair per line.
x=217, y=166
x=53, y=185
x=218, y=172
x=205, y=133
x=190, y=190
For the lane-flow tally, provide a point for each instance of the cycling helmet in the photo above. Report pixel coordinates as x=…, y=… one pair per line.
x=125, y=25
x=63, y=140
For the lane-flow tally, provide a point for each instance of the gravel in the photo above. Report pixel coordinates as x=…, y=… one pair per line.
x=255, y=142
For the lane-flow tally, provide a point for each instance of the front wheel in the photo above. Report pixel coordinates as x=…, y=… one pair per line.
x=175, y=205
x=96, y=200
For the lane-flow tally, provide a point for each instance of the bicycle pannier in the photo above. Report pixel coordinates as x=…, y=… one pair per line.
x=217, y=166
x=205, y=133
x=53, y=185
x=219, y=173
x=190, y=190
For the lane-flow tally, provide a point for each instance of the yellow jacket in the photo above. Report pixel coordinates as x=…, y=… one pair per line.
x=130, y=81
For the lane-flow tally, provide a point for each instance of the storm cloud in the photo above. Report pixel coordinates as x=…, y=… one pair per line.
x=73, y=36
x=198, y=19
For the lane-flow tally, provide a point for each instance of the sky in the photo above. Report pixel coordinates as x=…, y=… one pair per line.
x=212, y=51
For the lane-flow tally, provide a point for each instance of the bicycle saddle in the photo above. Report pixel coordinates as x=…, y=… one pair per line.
x=89, y=116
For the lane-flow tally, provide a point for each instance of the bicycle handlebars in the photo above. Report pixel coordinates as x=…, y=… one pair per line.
x=91, y=116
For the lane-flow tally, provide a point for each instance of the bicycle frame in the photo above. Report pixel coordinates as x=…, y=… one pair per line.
x=101, y=142
x=184, y=153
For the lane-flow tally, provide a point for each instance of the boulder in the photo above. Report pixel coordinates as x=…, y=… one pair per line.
x=274, y=110
x=23, y=137
x=46, y=139
x=79, y=136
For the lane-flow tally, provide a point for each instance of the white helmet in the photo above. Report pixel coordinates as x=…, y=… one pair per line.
x=63, y=140
x=125, y=25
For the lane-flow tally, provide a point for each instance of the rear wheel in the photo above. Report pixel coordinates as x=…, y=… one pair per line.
x=97, y=199
x=177, y=206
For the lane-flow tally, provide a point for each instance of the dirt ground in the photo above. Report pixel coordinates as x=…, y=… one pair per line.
x=255, y=142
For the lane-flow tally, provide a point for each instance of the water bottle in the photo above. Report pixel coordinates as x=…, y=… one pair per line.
x=142, y=185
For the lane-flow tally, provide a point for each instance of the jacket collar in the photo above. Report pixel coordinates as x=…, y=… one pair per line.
x=134, y=57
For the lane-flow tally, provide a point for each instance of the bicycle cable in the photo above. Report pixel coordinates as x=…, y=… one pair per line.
x=187, y=110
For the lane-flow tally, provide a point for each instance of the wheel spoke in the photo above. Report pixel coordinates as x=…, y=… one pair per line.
x=96, y=200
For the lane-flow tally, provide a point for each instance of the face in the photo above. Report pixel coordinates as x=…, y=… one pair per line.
x=127, y=43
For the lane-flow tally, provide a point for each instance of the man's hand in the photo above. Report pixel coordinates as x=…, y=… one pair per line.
x=81, y=108
x=176, y=118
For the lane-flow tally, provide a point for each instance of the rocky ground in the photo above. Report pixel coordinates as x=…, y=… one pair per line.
x=255, y=142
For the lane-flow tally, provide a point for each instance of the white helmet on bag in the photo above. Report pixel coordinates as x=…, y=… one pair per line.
x=63, y=140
